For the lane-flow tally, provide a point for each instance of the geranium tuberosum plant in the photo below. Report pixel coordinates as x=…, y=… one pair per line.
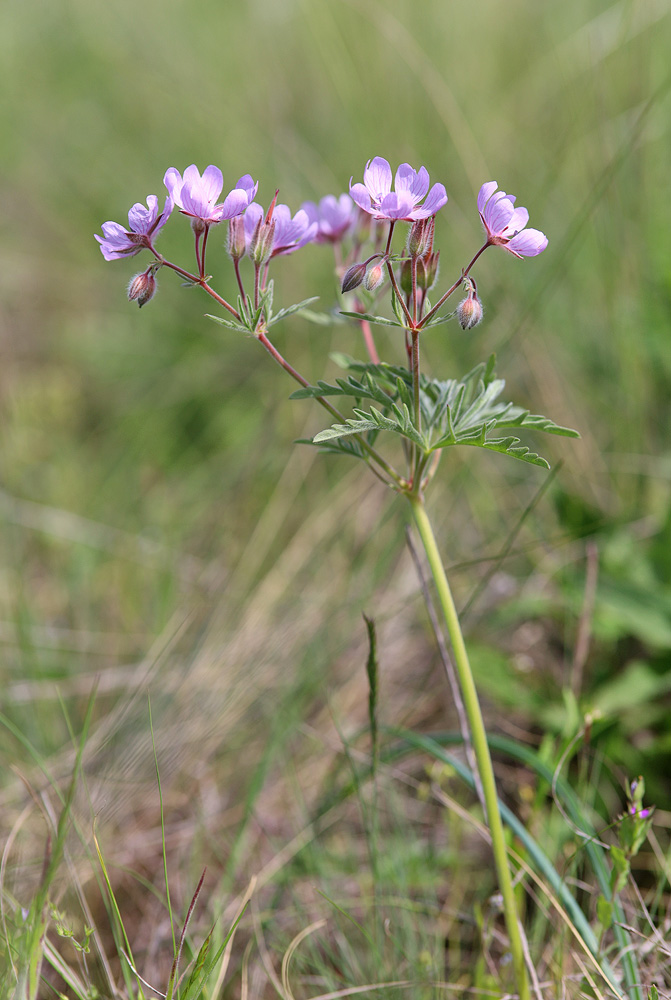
x=387, y=400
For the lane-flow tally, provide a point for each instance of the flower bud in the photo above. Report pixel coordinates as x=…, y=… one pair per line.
x=142, y=287
x=235, y=243
x=420, y=237
x=374, y=277
x=406, y=277
x=262, y=241
x=353, y=277
x=427, y=270
x=469, y=310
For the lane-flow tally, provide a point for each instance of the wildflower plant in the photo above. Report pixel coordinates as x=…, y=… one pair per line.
x=376, y=404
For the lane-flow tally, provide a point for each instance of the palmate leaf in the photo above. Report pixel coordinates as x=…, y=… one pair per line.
x=466, y=411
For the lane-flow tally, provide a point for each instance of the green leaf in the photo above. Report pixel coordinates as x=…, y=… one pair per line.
x=231, y=324
x=621, y=869
x=378, y=320
x=342, y=446
x=397, y=307
x=320, y=318
x=464, y=411
x=199, y=965
x=291, y=310
x=373, y=420
x=604, y=912
x=438, y=320
x=366, y=389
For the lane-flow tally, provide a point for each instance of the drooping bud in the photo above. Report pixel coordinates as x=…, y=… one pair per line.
x=235, y=243
x=469, y=310
x=142, y=286
x=374, y=277
x=420, y=237
x=353, y=277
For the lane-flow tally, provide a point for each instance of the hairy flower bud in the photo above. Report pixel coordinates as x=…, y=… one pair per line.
x=262, y=242
x=353, y=277
x=427, y=270
x=420, y=237
x=469, y=310
x=235, y=243
x=374, y=277
x=142, y=287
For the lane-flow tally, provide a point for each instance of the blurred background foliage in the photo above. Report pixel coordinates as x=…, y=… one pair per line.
x=159, y=528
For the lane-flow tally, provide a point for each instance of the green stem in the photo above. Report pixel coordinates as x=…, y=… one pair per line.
x=479, y=740
x=415, y=380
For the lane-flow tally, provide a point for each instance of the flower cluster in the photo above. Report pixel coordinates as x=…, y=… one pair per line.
x=367, y=215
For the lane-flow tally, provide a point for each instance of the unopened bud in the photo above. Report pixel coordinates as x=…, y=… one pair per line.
x=261, y=244
x=142, y=287
x=420, y=237
x=353, y=277
x=427, y=270
x=374, y=277
x=469, y=310
x=406, y=277
x=235, y=243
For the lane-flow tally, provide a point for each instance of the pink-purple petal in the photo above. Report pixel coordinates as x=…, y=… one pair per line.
x=485, y=193
x=377, y=177
x=361, y=196
x=414, y=182
x=173, y=181
x=141, y=219
x=234, y=204
x=517, y=221
x=436, y=198
x=247, y=183
x=528, y=243
x=211, y=184
x=397, y=205
x=498, y=213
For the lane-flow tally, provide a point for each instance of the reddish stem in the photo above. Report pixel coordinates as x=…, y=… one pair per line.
x=196, y=280
x=369, y=342
x=445, y=297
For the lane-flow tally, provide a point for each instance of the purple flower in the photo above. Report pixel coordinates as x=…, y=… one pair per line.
x=636, y=811
x=196, y=196
x=505, y=224
x=288, y=234
x=335, y=217
x=143, y=224
x=376, y=197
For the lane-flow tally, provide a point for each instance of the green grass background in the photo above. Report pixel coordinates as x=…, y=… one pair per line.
x=158, y=527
